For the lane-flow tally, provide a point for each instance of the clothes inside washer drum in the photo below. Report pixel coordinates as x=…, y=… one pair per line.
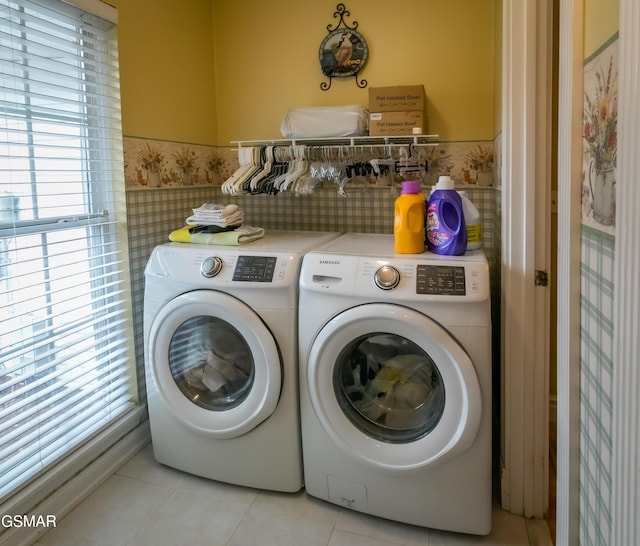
x=398, y=393
x=215, y=373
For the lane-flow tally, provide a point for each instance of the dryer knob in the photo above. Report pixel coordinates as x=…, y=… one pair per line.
x=211, y=266
x=387, y=277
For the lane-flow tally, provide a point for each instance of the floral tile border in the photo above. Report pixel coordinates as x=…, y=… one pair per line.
x=162, y=164
x=468, y=163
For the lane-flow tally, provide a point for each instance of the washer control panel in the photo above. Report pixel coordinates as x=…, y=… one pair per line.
x=446, y=280
x=255, y=268
x=411, y=278
x=244, y=268
x=387, y=277
x=205, y=267
x=211, y=266
x=441, y=280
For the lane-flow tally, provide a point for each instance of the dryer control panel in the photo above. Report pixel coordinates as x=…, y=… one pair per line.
x=200, y=267
x=440, y=279
x=255, y=268
x=408, y=278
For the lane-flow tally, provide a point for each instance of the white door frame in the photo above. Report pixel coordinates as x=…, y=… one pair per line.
x=570, y=105
x=625, y=480
x=519, y=495
x=625, y=476
x=526, y=173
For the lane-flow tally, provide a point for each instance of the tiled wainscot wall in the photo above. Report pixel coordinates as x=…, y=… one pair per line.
x=165, y=181
x=599, y=175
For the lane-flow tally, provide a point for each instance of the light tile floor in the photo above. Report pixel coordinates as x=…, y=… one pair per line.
x=146, y=503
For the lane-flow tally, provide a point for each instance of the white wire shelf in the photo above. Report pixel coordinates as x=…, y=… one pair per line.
x=408, y=140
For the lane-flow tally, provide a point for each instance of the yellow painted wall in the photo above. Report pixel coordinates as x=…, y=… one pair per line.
x=267, y=61
x=600, y=23
x=213, y=71
x=497, y=67
x=167, y=74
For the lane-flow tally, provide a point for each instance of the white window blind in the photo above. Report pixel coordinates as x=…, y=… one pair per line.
x=65, y=366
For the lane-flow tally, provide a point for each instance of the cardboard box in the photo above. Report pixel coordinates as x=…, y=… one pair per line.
x=396, y=123
x=400, y=98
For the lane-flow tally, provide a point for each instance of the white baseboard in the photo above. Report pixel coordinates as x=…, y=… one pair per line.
x=72, y=492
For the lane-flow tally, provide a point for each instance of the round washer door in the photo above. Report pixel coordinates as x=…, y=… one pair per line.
x=215, y=363
x=392, y=388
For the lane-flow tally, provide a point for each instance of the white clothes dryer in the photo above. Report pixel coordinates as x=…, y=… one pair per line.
x=395, y=355
x=220, y=328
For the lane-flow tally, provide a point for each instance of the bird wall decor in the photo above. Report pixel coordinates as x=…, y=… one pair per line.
x=344, y=51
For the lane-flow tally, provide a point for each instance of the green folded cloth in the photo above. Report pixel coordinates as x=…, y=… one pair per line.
x=243, y=234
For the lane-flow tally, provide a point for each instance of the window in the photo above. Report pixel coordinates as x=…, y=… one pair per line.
x=65, y=356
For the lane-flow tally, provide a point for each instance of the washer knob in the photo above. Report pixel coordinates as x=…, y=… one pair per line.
x=387, y=277
x=211, y=266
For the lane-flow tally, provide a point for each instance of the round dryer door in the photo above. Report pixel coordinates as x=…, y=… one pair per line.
x=215, y=363
x=392, y=388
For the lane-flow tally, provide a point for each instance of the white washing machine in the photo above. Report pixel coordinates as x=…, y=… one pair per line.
x=220, y=327
x=395, y=356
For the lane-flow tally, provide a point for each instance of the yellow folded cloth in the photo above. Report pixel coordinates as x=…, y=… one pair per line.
x=243, y=234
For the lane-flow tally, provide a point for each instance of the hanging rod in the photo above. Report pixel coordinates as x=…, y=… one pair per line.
x=415, y=140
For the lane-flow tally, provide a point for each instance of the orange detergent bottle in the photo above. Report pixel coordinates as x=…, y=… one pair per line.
x=408, y=227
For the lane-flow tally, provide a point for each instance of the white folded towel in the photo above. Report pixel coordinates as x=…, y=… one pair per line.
x=215, y=214
x=232, y=220
x=215, y=210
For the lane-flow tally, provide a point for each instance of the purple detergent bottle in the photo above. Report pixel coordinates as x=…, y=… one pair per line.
x=445, y=228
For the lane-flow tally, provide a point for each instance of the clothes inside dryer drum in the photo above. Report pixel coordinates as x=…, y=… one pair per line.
x=211, y=363
x=389, y=387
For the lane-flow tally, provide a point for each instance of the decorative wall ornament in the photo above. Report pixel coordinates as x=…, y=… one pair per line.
x=600, y=138
x=344, y=51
